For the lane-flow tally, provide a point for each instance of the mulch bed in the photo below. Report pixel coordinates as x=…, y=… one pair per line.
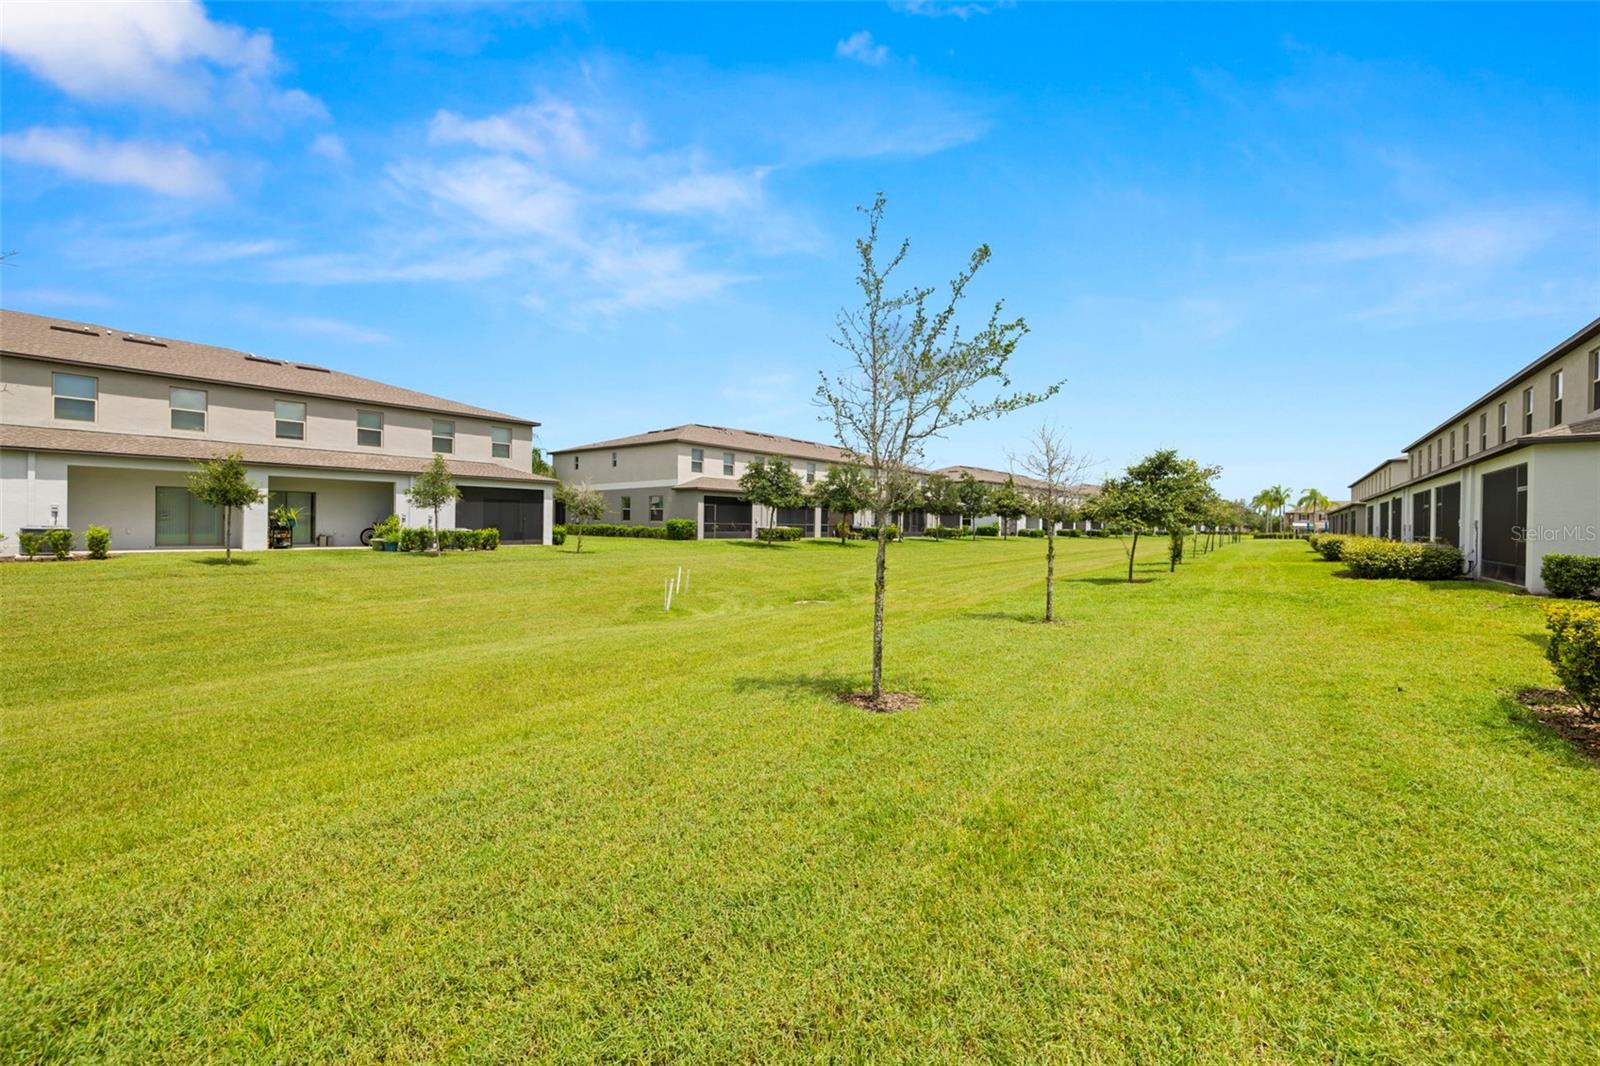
x=1564, y=717
x=888, y=703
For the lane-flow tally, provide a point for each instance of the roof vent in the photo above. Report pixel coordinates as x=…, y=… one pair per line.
x=263, y=359
x=146, y=340
x=84, y=330
x=318, y=369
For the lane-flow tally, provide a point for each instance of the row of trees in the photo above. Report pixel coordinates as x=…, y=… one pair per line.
x=847, y=491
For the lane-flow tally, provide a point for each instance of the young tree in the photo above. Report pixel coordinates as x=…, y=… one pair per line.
x=844, y=491
x=974, y=500
x=583, y=504
x=772, y=483
x=222, y=482
x=432, y=489
x=910, y=377
x=1161, y=491
x=1007, y=502
x=1058, y=471
x=939, y=497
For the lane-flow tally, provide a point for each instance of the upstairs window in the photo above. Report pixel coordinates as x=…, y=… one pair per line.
x=1483, y=432
x=811, y=473
x=574, y=462
x=1502, y=423
x=1452, y=446
x=1558, y=382
x=291, y=419
x=76, y=396
x=1594, y=381
x=613, y=458
x=1527, y=410
x=1466, y=439
x=727, y=464
x=444, y=436
x=500, y=442
x=697, y=460
x=188, y=409
x=369, y=429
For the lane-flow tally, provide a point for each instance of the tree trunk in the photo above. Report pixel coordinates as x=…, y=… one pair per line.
x=227, y=534
x=437, y=543
x=1050, y=578
x=1131, y=553
x=877, y=613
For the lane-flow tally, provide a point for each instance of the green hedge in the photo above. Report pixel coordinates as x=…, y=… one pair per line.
x=680, y=529
x=943, y=533
x=773, y=534
x=1572, y=577
x=416, y=539
x=871, y=532
x=558, y=534
x=613, y=529
x=1329, y=545
x=1372, y=557
x=1574, y=650
x=988, y=531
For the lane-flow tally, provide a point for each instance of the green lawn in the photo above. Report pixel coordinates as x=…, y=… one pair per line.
x=498, y=806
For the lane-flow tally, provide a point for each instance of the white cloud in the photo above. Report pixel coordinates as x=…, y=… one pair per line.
x=537, y=131
x=937, y=9
x=168, y=169
x=336, y=328
x=717, y=193
x=170, y=54
x=330, y=146
x=860, y=47
x=1470, y=240
x=506, y=194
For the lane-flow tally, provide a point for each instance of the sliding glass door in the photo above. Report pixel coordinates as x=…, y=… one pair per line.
x=185, y=522
x=305, y=527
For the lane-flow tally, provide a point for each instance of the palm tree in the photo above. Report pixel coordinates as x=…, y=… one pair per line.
x=1272, y=501
x=1312, y=501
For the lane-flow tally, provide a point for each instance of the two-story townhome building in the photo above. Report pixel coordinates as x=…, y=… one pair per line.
x=100, y=426
x=692, y=471
x=1509, y=478
x=994, y=479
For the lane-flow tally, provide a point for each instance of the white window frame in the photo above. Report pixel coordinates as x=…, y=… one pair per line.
x=697, y=460
x=174, y=409
x=658, y=508
x=448, y=436
x=360, y=429
x=496, y=445
x=1594, y=381
x=279, y=421
x=1527, y=410
x=1558, y=395
x=811, y=473
x=626, y=507
x=1505, y=425
x=727, y=464
x=56, y=396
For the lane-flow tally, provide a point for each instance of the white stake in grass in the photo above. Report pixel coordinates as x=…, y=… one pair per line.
x=677, y=584
x=667, y=606
x=687, y=574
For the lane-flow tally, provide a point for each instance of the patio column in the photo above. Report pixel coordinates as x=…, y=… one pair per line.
x=252, y=521
x=549, y=515
x=402, y=506
x=700, y=518
x=816, y=523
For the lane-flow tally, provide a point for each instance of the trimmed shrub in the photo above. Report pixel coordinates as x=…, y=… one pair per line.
x=487, y=540
x=1070, y=532
x=1330, y=546
x=612, y=529
x=943, y=533
x=871, y=532
x=1574, y=651
x=1372, y=557
x=1030, y=533
x=680, y=529
x=30, y=544
x=558, y=534
x=1572, y=577
x=988, y=531
x=388, y=529
x=98, y=541
x=416, y=539
x=60, y=541
x=773, y=534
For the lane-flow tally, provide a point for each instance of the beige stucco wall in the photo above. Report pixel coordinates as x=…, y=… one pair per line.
x=141, y=403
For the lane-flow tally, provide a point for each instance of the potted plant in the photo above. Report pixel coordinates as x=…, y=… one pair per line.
x=283, y=518
x=388, y=531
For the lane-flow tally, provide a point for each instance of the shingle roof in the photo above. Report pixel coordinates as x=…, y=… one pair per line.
x=23, y=334
x=94, y=442
x=721, y=437
x=998, y=477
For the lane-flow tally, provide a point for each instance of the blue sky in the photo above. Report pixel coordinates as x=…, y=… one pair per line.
x=1281, y=239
